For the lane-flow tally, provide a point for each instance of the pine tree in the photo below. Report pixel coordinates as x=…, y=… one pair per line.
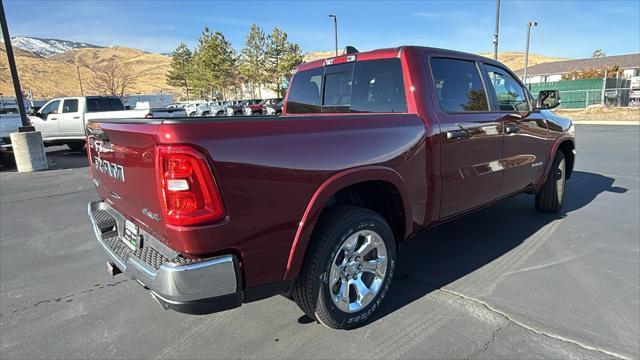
x=214, y=63
x=178, y=74
x=252, y=59
x=282, y=57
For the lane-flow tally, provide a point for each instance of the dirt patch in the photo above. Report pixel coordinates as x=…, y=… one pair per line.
x=601, y=113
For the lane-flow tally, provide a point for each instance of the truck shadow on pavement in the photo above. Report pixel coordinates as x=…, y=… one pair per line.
x=437, y=257
x=67, y=159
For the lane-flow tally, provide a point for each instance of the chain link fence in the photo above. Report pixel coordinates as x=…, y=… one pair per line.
x=621, y=97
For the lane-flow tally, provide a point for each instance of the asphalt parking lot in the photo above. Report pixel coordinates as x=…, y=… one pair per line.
x=505, y=282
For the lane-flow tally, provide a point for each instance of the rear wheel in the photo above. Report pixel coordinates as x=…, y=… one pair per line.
x=348, y=267
x=206, y=113
x=550, y=197
x=76, y=146
x=220, y=113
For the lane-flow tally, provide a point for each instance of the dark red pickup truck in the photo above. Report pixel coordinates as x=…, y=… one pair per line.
x=209, y=213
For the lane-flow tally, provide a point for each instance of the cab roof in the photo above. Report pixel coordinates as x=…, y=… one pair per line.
x=388, y=53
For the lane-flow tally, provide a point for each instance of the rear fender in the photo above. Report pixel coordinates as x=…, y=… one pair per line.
x=322, y=195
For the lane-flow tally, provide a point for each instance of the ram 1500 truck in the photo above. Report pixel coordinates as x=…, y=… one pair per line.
x=63, y=120
x=209, y=213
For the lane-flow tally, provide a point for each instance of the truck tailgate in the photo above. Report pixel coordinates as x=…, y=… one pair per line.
x=122, y=163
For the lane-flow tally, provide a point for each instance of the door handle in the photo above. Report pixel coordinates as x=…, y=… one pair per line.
x=457, y=134
x=76, y=117
x=53, y=119
x=511, y=128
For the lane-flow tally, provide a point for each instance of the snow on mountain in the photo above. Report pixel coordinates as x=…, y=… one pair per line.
x=47, y=47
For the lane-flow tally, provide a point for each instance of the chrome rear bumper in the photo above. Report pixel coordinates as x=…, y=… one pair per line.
x=194, y=286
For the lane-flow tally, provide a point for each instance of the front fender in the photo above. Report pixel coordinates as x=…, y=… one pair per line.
x=322, y=195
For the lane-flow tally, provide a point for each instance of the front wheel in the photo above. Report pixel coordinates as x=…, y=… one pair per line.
x=550, y=197
x=348, y=267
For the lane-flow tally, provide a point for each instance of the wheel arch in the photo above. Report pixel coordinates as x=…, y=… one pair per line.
x=567, y=146
x=353, y=182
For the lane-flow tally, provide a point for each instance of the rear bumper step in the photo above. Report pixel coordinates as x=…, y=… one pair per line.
x=190, y=286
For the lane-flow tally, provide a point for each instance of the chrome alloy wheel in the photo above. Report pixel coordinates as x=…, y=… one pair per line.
x=357, y=271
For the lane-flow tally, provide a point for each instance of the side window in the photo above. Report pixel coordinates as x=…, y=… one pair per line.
x=93, y=105
x=70, y=106
x=104, y=104
x=304, y=96
x=337, y=88
x=116, y=104
x=511, y=96
x=458, y=85
x=51, y=108
x=378, y=87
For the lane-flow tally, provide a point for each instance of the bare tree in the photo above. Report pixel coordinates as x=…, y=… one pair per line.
x=112, y=77
x=5, y=76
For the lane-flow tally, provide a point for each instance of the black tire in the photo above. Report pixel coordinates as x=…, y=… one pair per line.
x=76, y=146
x=256, y=114
x=237, y=113
x=311, y=290
x=550, y=197
x=206, y=113
x=220, y=113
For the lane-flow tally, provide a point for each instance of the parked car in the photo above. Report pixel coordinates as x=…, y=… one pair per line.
x=192, y=108
x=62, y=120
x=209, y=109
x=315, y=203
x=238, y=108
x=273, y=109
x=256, y=109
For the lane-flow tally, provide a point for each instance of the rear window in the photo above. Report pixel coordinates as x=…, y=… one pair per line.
x=366, y=86
x=378, y=87
x=304, y=97
x=97, y=104
x=70, y=106
x=458, y=85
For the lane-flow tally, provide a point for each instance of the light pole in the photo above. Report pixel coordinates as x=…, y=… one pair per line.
x=12, y=67
x=495, y=34
x=80, y=80
x=335, y=30
x=526, y=53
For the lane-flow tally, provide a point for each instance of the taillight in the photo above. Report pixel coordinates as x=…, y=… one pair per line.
x=188, y=191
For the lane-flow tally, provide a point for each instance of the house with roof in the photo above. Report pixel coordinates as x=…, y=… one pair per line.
x=553, y=71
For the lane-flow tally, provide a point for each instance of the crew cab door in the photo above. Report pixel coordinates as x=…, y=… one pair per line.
x=471, y=135
x=47, y=119
x=526, y=144
x=70, y=121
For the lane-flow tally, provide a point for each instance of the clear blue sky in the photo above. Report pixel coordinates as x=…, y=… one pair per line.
x=567, y=28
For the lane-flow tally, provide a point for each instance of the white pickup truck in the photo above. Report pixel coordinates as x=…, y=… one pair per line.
x=62, y=120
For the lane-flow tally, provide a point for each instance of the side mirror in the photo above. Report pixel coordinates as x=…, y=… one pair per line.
x=548, y=99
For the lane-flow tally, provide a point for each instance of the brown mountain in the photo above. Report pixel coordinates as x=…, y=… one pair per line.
x=58, y=75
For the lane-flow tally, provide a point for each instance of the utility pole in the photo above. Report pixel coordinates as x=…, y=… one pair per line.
x=335, y=30
x=12, y=67
x=80, y=80
x=497, y=31
x=530, y=24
